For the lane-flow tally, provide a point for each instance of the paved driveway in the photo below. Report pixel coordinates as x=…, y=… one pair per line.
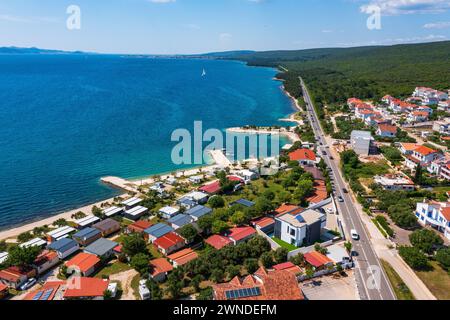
x=331, y=288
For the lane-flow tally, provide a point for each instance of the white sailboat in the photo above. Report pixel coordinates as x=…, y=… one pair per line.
x=204, y=73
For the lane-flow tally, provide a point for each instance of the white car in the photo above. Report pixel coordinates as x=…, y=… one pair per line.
x=354, y=234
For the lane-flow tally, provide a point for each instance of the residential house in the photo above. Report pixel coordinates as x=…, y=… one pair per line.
x=103, y=248
x=339, y=255
x=107, y=227
x=288, y=266
x=211, y=188
x=193, y=198
x=418, y=116
x=83, y=264
x=436, y=215
x=387, y=131
x=444, y=105
x=51, y=290
x=407, y=148
x=159, y=268
x=263, y=285
x=197, y=212
x=318, y=260
x=157, y=231
x=395, y=182
x=59, y=233
x=3, y=257
x=288, y=209
x=445, y=172
x=45, y=261
x=196, y=179
x=182, y=257
x=425, y=154
x=362, y=142
x=139, y=226
x=87, y=289
x=218, y=242
x=303, y=156
x=135, y=213
x=168, y=212
x=64, y=247
x=87, y=236
x=14, y=277
x=86, y=221
x=180, y=221
x=319, y=194
x=241, y=234
x=169, y=243
x=353, y=102
x=442, y=127
x=131, y=202
x=112, y=211
x=36, y=242
x=304, y=228
x=248, y=175
x=265, y=224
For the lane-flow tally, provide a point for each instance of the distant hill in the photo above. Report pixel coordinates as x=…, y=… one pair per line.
x=33, y=50
x=334, y=74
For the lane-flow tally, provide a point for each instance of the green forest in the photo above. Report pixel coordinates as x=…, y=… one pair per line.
x=333, y=75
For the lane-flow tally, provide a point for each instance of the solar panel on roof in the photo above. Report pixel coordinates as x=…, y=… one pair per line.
x=243, y=293
x=47, y=294
x=37, y=295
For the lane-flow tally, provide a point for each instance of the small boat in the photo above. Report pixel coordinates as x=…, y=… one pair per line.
x=204, y=73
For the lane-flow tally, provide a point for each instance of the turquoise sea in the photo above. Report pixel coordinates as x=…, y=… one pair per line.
x=68, y=120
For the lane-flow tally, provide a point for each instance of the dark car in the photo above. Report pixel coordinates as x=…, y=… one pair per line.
x=345, y=190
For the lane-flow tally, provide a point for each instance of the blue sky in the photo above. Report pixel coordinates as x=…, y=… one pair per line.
x=196, y=26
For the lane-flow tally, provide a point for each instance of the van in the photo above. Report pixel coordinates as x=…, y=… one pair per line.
x=354, y=234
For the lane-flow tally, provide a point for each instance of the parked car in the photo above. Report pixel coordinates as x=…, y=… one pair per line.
x=340, y=199
x=354, y=234
x=27, y=285
x=344, y=190
x=144, y=292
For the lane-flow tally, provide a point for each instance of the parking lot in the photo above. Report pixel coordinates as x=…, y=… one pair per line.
x=331, y=288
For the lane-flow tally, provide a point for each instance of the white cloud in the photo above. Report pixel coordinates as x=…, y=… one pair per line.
x=396, y=7
x=437, y=25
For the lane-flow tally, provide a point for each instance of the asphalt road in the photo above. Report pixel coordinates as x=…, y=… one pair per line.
x=370, y=278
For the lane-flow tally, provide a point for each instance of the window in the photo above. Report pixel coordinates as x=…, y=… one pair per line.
x=293, y=232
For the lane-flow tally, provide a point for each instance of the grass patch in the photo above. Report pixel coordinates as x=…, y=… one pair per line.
x=113, y=268
x=135, y=286
x=285, y=245
x=401, y=290
x=375, y=222
x=437, y=280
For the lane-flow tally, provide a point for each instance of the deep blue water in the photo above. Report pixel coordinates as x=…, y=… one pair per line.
x=68, y=120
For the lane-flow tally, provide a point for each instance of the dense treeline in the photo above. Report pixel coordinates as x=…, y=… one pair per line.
x=333, y=75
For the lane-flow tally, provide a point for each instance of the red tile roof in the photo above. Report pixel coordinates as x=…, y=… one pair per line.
x=168, y=240
x=387, y=128
x=211, y=188
x=240, y=233
x=288, y=208
x=11, y=274
x=159, y=266
x=184, y=256
x=140, y=226
x=218, y=242
x=316, y=259
x=83, y=261
x=320, y=192
x=44, y=257
x=273, y=285
x=87, y=287
x=423, y=150
x=263, y=222
x=288, y=266
x=446, y=213
x=302, y=154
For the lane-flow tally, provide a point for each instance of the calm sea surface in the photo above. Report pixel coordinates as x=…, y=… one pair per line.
x=68, y=120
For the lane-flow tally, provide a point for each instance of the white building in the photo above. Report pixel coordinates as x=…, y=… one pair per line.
x=442, y=127
x=87, y=221
x=435, y=214
x=169, y=212
x=362, y=142
x=132, y=202
x=135, y=213
x=111, y=212
x=393, y=182
x=60, y=233
x=304, y=228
